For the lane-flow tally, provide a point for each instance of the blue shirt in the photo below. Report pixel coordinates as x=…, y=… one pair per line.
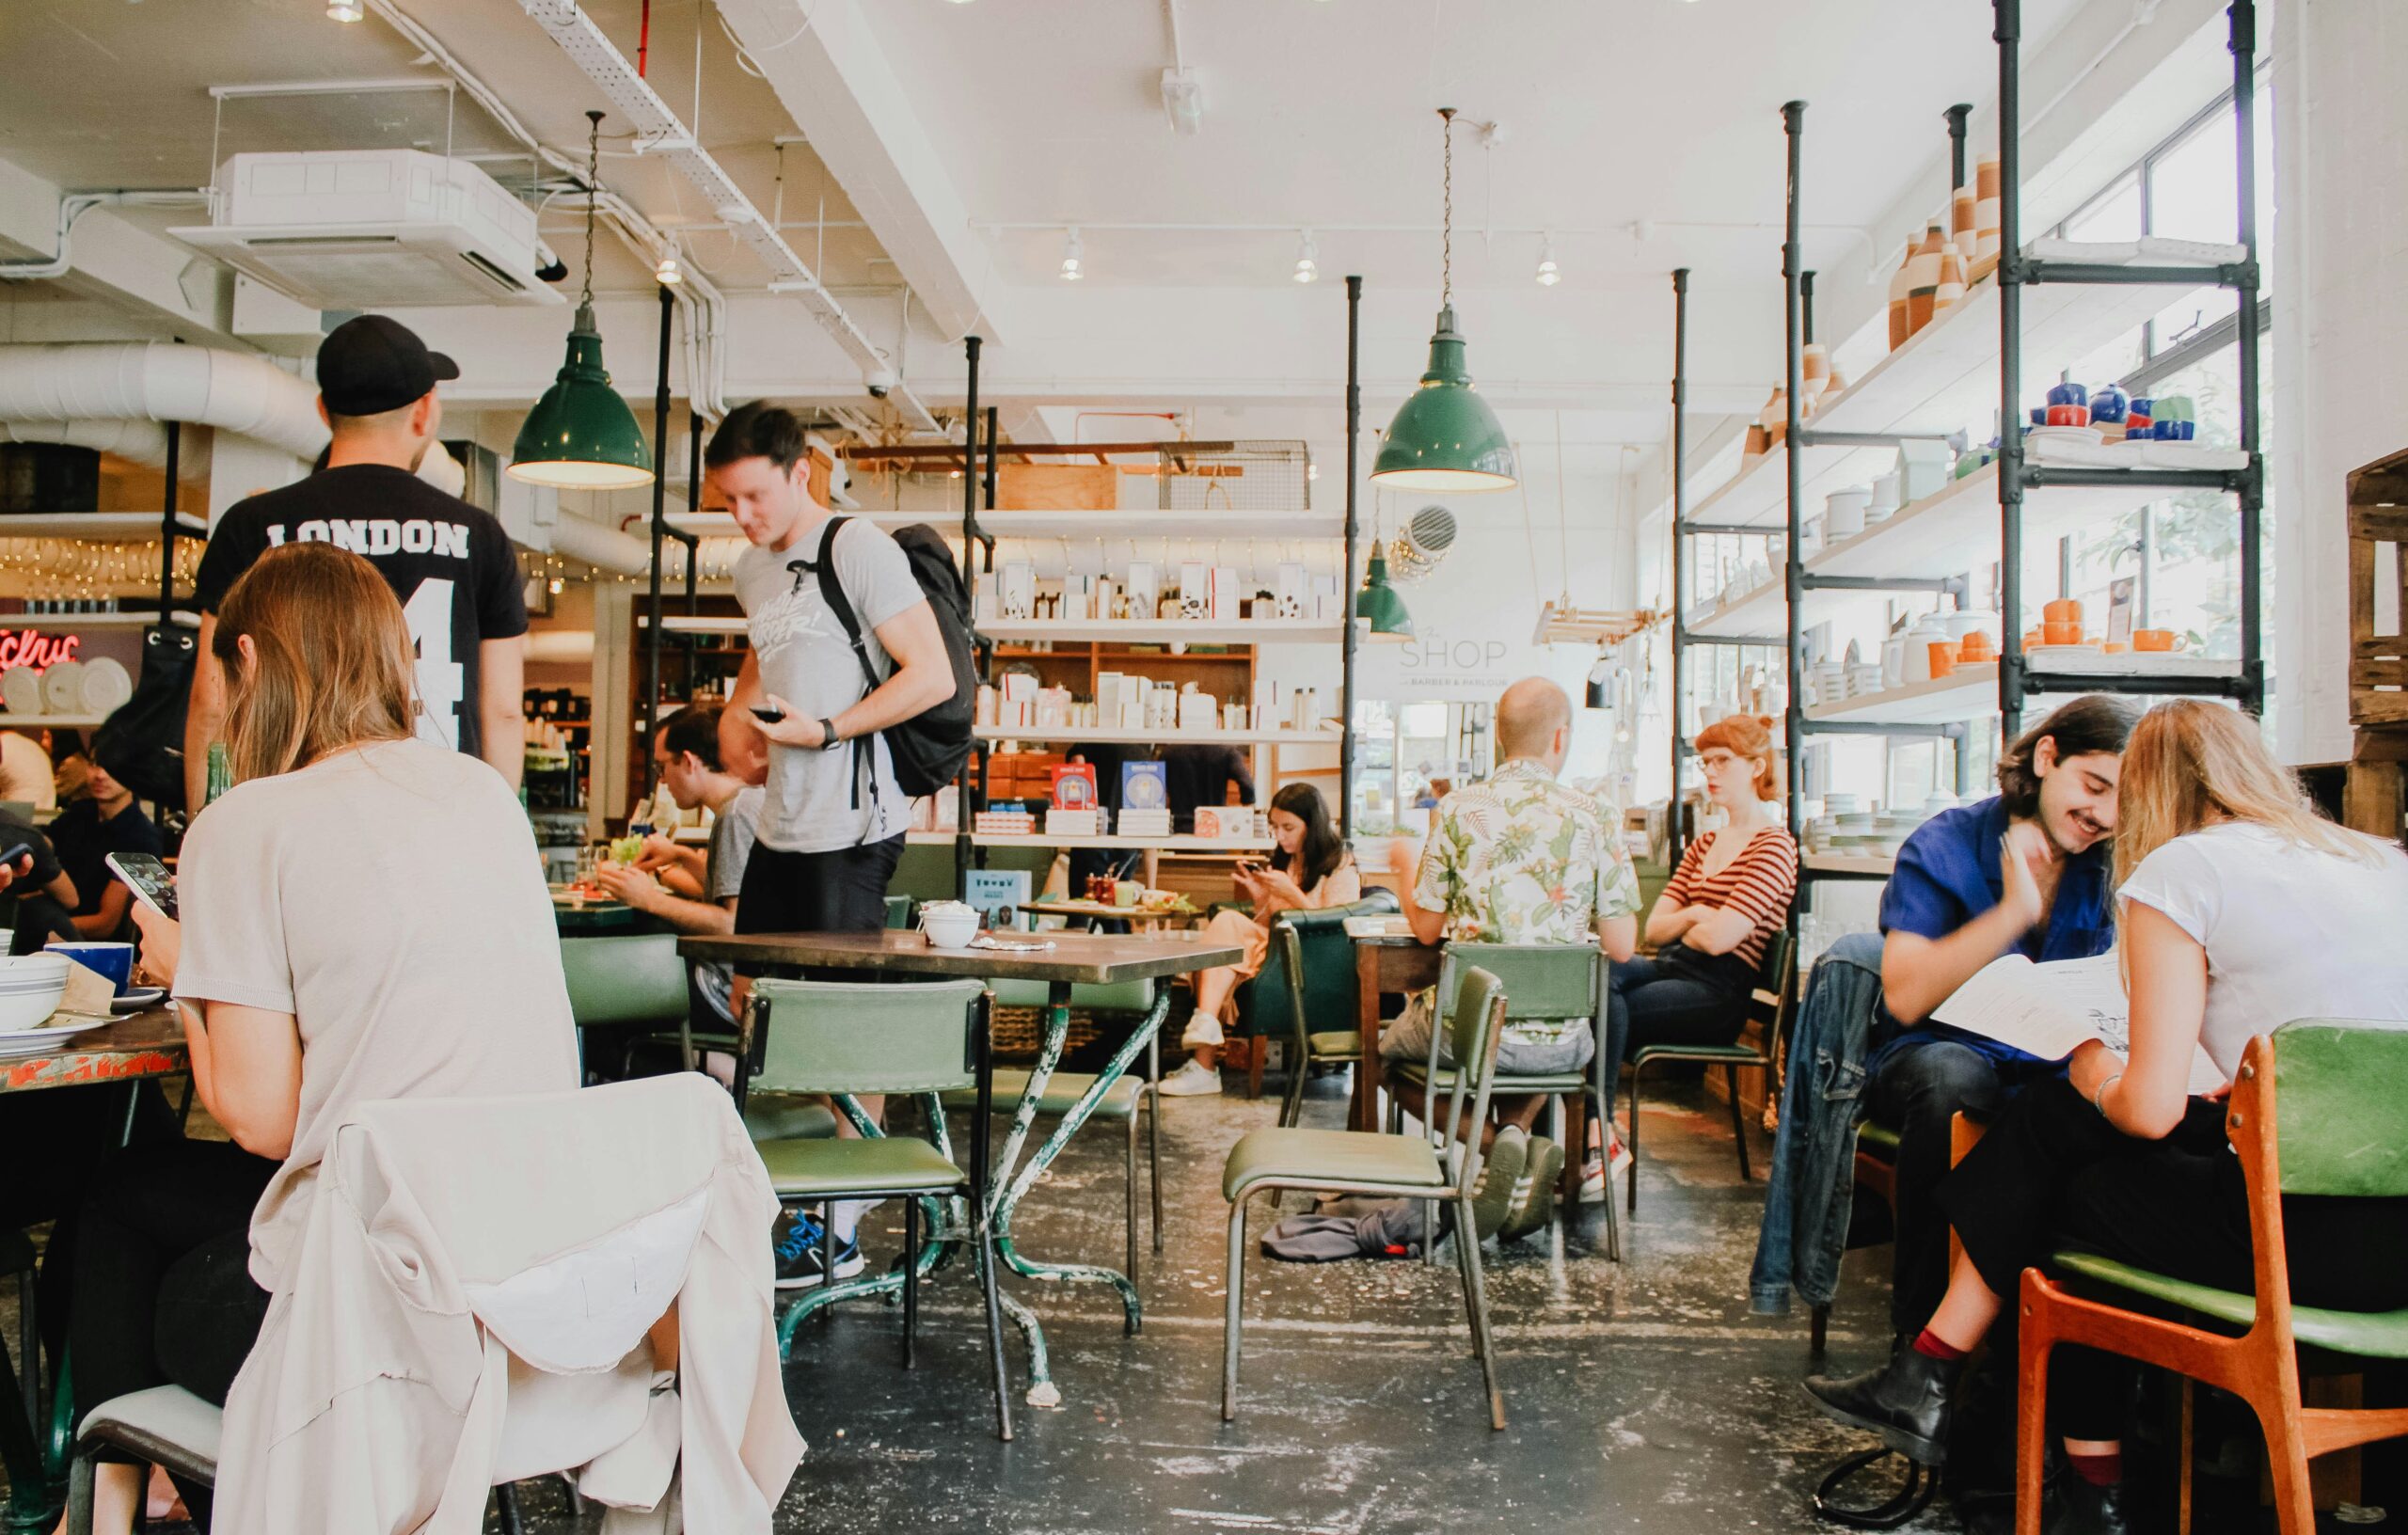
x=1948, y=873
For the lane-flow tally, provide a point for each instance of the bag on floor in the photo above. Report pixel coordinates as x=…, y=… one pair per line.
x=1392, y=1230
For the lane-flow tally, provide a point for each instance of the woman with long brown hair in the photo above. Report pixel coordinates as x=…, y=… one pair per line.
x=363, y=918
x=2241, y=910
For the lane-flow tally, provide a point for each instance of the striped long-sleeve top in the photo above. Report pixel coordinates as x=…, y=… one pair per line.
x=1759, y=882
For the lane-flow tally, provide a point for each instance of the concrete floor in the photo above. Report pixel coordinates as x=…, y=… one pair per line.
x=1641, y=1396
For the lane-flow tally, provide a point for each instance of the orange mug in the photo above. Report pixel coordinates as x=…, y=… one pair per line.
x=2157, y=639
x=2115, y=648
x=1943, y=658
x=2058, y=633
x=1976, y=646
x=2035, y=638
x=2063, y=610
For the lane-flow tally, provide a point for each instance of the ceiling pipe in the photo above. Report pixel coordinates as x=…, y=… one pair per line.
x=660, y=133
x=158, y=381
x=142, y=442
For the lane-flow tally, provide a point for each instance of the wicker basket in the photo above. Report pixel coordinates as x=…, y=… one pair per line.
x=1018, y=1032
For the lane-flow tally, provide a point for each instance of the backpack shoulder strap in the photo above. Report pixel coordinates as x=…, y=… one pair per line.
x=831, y=591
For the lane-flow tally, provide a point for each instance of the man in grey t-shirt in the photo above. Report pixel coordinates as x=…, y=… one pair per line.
x=694, y=891
x=832, y=820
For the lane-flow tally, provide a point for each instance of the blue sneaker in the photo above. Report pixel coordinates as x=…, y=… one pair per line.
x=797, y=1244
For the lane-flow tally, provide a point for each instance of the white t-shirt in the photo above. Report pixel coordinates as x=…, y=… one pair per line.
x=2291, y=931
x=392, y=900
x=805, y=659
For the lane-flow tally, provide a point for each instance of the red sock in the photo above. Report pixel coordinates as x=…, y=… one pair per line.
x=2098, y=1470
x=1930, y=1345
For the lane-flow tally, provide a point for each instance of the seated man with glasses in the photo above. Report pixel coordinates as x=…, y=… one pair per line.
x=1519, y=858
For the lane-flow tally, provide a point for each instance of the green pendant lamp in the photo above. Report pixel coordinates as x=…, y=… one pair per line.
x=1377, y=605
x=1445, y=436
x=581, y=436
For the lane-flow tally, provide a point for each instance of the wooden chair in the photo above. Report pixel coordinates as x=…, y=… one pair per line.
x=2341, y=1129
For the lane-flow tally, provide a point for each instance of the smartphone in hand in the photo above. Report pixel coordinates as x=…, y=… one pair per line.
x=150, y=881
x=768, y=717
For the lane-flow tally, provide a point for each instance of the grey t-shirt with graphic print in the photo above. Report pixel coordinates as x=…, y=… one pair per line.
x=812, y=803
x=731, y=834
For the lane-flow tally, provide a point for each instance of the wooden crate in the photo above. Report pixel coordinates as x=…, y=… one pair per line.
x=1057, y=488
x=2378, y=513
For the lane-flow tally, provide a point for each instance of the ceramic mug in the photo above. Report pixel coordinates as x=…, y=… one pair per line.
x=2062, y=610
x=1976, y=647
x=1844, y=514
x=2111, y=404
x=2158, y=639
x=113, y=961
x=2069, y=394
x=2068, y=415
x=2061, y=634
x=1944, y=655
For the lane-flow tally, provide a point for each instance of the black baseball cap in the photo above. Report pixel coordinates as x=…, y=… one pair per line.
x=371, y=364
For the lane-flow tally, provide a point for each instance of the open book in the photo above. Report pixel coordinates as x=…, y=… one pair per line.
x=2051, y=1010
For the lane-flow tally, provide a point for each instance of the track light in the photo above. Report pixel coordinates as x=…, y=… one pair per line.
x=1307, y=268
x=668, y=273
x=1073, y=254
x=1549, y=274
x=346, y=10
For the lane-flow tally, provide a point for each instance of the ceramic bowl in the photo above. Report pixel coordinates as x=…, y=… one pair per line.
x=30, y=986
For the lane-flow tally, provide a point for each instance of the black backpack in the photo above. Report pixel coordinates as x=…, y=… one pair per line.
x=144, y=739
x=929, y=750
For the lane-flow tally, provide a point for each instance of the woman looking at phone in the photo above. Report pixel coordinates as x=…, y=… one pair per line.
x=1310, y=868
x=364, y=918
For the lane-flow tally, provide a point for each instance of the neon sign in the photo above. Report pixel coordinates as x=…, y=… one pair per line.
x=30, y=647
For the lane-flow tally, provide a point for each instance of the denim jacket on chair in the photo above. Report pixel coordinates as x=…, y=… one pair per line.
x=1808, y=1194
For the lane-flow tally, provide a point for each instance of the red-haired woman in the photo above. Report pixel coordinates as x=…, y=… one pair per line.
x=1728, y=897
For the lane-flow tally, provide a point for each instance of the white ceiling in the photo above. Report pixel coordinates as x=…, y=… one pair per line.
x=1322, y=113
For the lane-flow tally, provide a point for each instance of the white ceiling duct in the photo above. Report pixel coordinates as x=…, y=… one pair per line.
x=158, y=381
x=137, y=442
x=604, y=547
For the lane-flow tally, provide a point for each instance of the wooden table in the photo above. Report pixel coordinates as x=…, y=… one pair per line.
x=1072, y=959
x=1389, y=959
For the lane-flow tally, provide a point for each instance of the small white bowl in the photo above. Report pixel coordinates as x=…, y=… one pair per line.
x=30, y=986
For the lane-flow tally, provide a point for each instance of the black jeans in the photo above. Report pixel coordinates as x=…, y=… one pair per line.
x=162, y=1291
x=1923, y=1084
x=2053, y=1173
x=840, y=891
x=1681, y=997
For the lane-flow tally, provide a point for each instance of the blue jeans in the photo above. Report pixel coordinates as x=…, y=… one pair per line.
x=1677, y=998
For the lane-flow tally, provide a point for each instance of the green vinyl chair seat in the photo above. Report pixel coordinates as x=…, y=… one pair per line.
x=2371, y=1335
x=1879, y=1139
x=886, y=1165
x=1306, y=1158
x=1336, y=1045
x=1551, y=1082
x=1063, y=1091
x=775, y=1117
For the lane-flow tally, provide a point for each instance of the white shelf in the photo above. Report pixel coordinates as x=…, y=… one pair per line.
x=107, y=526
x=51, y=722
x=1946, y=533
x=680, y=624
x=49, y=622
x=1160, y=631
x=1113, y=527
x=1946, y=378
x=1850, y=864
x=1165, y=845
x=1970, y=692
x=1099, y=735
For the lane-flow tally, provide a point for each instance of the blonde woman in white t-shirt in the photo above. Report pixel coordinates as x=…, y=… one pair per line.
x=364, y=918
x=2241, y=909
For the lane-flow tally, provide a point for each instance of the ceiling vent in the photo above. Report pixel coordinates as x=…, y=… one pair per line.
x=373, y=229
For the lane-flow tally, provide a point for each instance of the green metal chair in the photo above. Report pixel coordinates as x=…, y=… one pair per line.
x=1119, y=1106
x=1349, y=1162
x=2339, y=1130
x=1279, y=1003
x=1768, y=1001
x=1544, y=983
x=842, y=1039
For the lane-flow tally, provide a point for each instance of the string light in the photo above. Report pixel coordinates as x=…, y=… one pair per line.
x=346, y=10
x=1072, y=253
x=667, y=274
x=1307, y=268
x=1549, y=274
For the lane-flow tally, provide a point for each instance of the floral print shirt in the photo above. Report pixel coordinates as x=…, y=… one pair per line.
x=1519, y=858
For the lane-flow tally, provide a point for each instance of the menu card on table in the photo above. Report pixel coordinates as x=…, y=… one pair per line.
x=2053, y=1009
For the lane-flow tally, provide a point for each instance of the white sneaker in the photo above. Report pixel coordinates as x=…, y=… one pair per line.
x=1193, y=1080
x=1618, y=1155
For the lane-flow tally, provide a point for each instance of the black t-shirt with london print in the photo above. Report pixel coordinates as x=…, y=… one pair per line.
x=450, y=563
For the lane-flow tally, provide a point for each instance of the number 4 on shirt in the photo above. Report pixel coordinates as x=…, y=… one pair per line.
x=441, y=680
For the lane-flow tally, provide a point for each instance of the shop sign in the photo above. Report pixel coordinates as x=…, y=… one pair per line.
x=30, y=647
x=1439, y=663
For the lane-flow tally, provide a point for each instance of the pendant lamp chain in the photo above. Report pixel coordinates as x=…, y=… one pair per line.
x=593, y=195
x=1447, y=235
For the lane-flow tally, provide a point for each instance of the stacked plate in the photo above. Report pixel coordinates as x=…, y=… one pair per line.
x=30, y=986
x=96, y=688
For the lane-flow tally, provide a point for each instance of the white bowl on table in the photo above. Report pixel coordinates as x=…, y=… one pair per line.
x=30, y=986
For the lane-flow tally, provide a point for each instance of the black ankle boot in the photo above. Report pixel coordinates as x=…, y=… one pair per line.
x=1904, y=1402
x=2085, y=1509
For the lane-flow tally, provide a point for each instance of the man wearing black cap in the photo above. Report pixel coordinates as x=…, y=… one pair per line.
x=450, y=563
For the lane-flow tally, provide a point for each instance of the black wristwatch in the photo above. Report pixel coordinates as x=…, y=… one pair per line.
x=829, y=740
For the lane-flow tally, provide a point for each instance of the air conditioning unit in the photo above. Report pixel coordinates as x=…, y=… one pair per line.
x=373, y=230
